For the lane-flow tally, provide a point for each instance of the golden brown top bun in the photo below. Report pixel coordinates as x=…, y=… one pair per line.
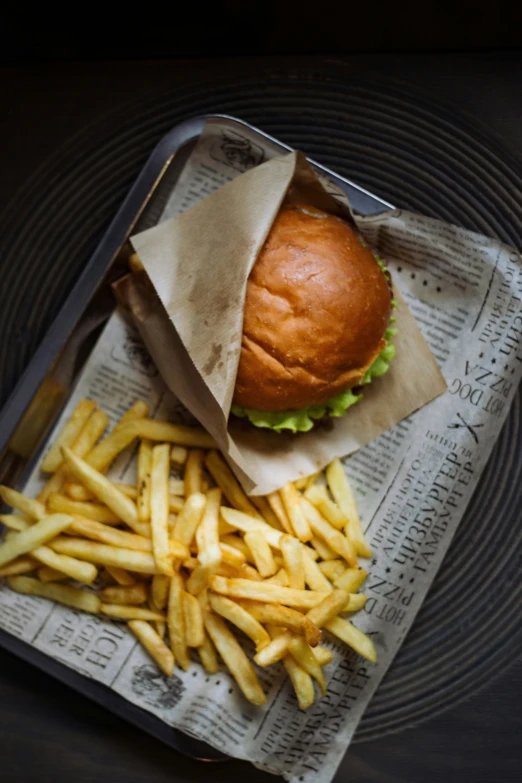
x=316, y=309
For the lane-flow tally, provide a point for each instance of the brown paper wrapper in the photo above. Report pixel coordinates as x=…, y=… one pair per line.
x=190, y=314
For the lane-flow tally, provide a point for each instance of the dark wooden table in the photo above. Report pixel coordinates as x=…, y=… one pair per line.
x=48, y=733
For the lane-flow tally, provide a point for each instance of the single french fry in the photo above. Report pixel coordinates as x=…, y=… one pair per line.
x=283, y=617
x=178, y=455
x=77, y=491
x=234, y=657
x=105, y=452
x=104, y=490
x=42, y=531
x=304, y=656
x=342, y=492
x=139, y=410
x=261, y=553
x=46, y=574
x=318, y=495
x=16, y=521
x=228, y=483
x=302, y=682
x=159, y=508
x=241, y=618
x=351, y=580
x=193, y=478
x=300, y=483
x=128, y=612
x=159, y=591
x=292, y=551
x=265, y=512
x=291, y=501
x=189, y=518
x=241, y=521
x=177, y=487
x=333, y=569
x=314, y=577
x=322, y=549
x=154, y=645
x=135, y=595
x=70, y=566
x=120, y=538
x=207, y=654
x=335, y=602
x=104, y=554
x=207, y=533
x=280, y=578
x=120, y=576
x=323, y=655
x=72, y=428
x=266, y=592
x=97, y=512
x=176, y=622
x=27, y=506
x=194, y=631
x=143, y=480
x=356, y=603
x=22, y=565
x=174, y=433
x=353, y=637
x=333, y=537
x=62, y=594
x=274, y=651
x=276, y=504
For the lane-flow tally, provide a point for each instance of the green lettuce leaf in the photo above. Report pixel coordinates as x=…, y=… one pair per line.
x=302, y=420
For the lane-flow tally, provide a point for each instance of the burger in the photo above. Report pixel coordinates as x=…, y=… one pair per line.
x=317, y=322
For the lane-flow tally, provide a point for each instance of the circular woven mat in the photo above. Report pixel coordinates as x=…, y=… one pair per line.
x=410, y=153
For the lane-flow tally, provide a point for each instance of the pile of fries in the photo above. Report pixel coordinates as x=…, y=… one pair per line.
x=191, y=560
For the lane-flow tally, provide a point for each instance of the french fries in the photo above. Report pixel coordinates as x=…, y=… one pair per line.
x=261, y=553
x=335, y=540
x=134, y=595
x=342, y=492
x=178, y=455
x=189, y=518
x=298, y=521
x=302, y=682
x=124, y=508
x=292, y=551
x=62, y=594
x=234, y=657
x=143, y=478
x=188, y=564
x=53, y=459
x=154, y=645
x=159, y=508
x=96, y=511
x=194, y=472
x=194, y=631
x=240, y=617
x=176, y=622
x=36, y=535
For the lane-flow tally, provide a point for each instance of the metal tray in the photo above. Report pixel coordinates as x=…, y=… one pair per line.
x=30, y=412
